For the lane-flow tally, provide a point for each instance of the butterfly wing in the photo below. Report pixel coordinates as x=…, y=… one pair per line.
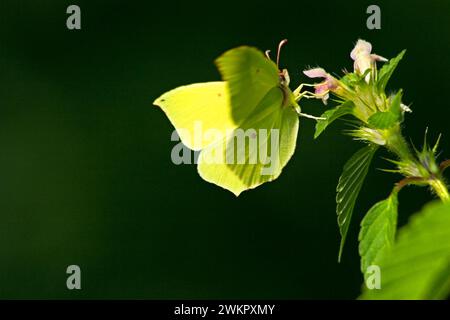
x=267, y=142
x=249, y=76
x=221, y=106
x=198, y=108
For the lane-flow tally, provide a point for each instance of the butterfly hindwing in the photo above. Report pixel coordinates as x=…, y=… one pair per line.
x=255, y=152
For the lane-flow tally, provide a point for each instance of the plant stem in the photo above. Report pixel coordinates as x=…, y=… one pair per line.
x=397, y=144
x=441, y=189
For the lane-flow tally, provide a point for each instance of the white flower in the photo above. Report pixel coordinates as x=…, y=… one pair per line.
x=364, y=59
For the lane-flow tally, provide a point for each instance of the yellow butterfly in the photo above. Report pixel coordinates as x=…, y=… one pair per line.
x=248, y=122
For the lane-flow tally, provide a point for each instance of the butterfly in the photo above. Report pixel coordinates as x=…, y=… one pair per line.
x=249, y=120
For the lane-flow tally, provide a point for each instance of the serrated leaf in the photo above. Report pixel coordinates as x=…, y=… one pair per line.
x=387, y=70
x=418, y=266
x=349, y=186
x=377, y=233
x=332, y=115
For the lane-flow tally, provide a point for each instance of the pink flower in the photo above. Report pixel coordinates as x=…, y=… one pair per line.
x=322, y=89
x=363, y=58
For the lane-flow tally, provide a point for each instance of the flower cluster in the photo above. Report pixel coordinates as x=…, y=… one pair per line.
x=364, y=65
x=378, y=115
x=364, y=88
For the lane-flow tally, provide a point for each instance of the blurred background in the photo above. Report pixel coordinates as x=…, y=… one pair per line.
x=85, y=170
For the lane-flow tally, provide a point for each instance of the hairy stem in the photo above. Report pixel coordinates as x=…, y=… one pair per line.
x=397, y=144
x=441, y=189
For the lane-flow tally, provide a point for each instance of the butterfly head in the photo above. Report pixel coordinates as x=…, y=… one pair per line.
x=283, y=74
x=284, y=77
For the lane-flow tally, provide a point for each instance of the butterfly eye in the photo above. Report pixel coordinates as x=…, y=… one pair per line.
x=284, y=77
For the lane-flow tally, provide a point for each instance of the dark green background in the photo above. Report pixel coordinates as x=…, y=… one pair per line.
x=85, y=170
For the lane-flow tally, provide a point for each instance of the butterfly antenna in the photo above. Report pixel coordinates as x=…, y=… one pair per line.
x=280, y=45
x=267, y=53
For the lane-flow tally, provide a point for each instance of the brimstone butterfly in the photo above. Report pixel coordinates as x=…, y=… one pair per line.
x=253, y=103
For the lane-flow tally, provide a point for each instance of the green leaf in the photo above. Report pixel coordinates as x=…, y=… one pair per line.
x=350, y=183
x=353, y=79
x=382, y=120
x=331, y=115
x=385, y=120
x=418, y=266
x=377, y=234
x=387, y=70
x=395, y=104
